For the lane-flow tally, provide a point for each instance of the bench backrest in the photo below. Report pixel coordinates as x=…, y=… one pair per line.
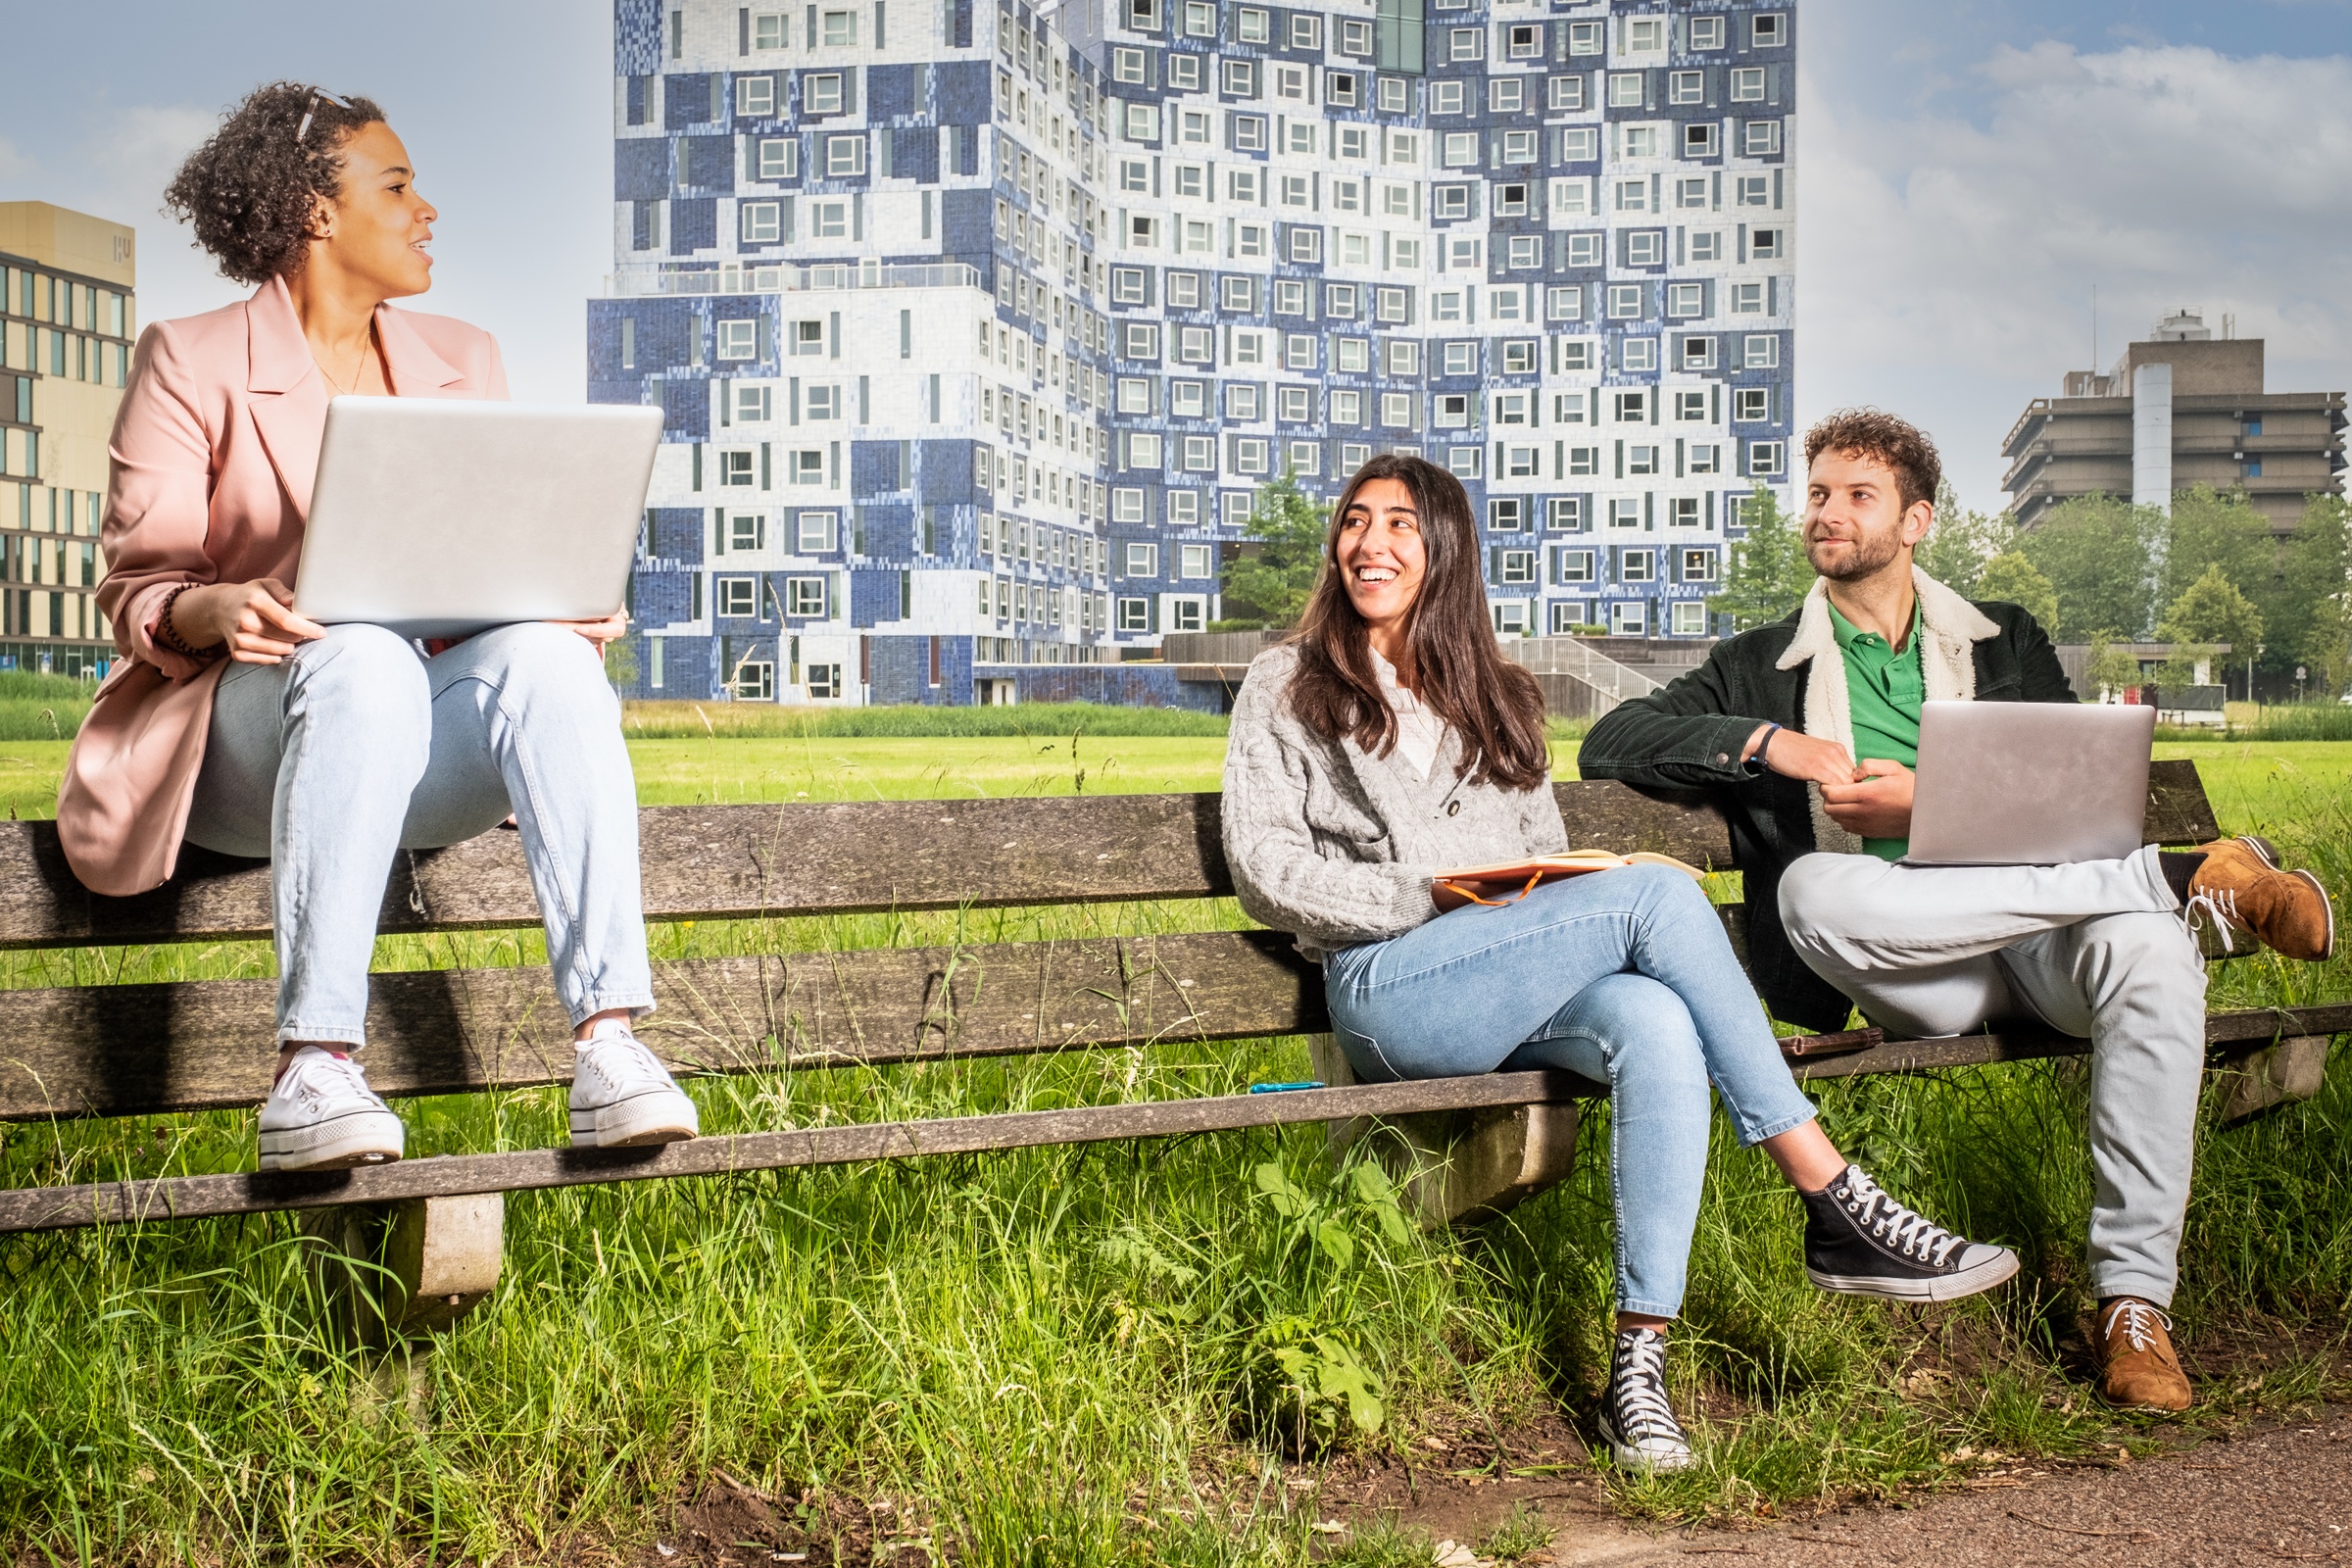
x=150, y=1048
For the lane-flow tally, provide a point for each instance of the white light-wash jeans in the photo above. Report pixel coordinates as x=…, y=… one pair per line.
x=357, y=748
x=2097, y=950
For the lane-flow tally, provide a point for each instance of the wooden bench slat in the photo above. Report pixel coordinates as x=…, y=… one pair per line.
x=742, y=862
x=121, y=1050
x=35, y=1208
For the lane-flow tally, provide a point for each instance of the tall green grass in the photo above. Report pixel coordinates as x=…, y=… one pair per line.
x=695, y=720
x=42, y=708
x=2304, y=721
x=1081, y=1355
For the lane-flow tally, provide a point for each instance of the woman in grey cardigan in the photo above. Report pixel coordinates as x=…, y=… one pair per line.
x=1390, y=740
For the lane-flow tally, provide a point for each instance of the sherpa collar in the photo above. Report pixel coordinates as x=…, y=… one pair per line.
x=1950, y=628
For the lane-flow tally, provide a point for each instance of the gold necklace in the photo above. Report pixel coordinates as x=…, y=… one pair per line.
x=367, y=349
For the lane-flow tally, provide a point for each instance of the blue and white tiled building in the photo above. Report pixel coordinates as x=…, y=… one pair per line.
x=978, y=326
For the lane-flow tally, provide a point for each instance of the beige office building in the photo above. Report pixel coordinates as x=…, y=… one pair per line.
x=2181, y=409
x=67, y=319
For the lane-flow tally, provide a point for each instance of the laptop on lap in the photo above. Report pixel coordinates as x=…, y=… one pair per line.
x=2030, y=783
x=438, y=517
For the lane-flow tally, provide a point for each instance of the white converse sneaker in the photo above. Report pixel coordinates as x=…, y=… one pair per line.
x=621, y=1096
x=321, y=1116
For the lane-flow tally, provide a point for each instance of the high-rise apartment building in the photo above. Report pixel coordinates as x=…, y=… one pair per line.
x=979, y=326
x=2181, y=408
x=66, y=319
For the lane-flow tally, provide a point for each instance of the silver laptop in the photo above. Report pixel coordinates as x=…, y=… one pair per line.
x=2030, y=783
x=439, y=516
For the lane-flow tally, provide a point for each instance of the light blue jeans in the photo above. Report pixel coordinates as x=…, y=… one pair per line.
x=357, y=748
x=1623, y=976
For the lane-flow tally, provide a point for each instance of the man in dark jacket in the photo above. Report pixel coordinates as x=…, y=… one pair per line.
x=1805, y=732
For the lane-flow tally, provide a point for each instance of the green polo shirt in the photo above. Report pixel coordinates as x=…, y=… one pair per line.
x=1884, y=688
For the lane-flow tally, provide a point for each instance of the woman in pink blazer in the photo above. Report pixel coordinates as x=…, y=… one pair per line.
x=233, y=722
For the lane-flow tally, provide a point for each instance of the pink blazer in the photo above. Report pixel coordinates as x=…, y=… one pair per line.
x=213, y=452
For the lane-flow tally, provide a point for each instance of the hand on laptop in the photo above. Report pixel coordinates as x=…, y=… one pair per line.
x=1876, y=806
x=1794, y=754
x=256, y=621
x=611, y=629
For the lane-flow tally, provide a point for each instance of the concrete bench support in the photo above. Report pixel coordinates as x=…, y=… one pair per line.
x=2294, y=1069
x=391, y=1272
x=1457, y=1167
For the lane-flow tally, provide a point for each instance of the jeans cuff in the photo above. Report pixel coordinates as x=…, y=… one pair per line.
x=1625, y=1304
x=638, y=1003
x=314, y=1034
x=1776, y=1128
x=2120, y=1280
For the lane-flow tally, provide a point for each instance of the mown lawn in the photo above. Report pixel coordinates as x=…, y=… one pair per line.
x=1079, y=1356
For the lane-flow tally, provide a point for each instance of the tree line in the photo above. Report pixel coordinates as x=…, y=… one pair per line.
x=2097, y=570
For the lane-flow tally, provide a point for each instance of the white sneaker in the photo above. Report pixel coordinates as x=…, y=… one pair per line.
x=321, y=1116
x=623, y=1097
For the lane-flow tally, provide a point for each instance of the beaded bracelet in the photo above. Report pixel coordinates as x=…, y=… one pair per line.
x=169, y=635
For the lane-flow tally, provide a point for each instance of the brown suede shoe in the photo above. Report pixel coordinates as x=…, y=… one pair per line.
x=2138, y=1370
x=2241, y=888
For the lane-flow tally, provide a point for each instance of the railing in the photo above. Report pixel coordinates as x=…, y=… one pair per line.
x=787, y=278
x=1608, y=682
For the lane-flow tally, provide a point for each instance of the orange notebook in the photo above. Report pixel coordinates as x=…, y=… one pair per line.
x=1547, y=867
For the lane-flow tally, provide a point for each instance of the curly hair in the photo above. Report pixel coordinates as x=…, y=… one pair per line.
x=251, y=190
x=1898, y=443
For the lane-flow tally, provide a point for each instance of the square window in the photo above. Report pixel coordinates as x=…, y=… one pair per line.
x=1466, y=43
x=1249, y=133
x=1638, y=566
x=1506, y=514
x=821, y=93
x=840, y=28
x=1196, y=561
x=1299, y=351
x=1355, y=141
x=1294, y=405
x=1521, y=357
x=1699, y=138
x=1577, y=355
x=1747, y=84
x=1347, y=408
x=1761, y=352
x=1750, y=403
x=1689, y=617
x=1195, y=129
x=1686, y=87
x=753, y=405
x=1706, y=32
x=1526, y=253
x=1571, y=567
x=1187, y=614
x=1516, y=568
x=1510, y=201
x=1184, y=72
x=738, y=340
x=1640, y=461
x=1583, y=461
x=769, y=30
x=1760, y=138
x=779, y=157
x=1645, y=247
x=1567, y=614
x=1450, y=411
x=1563, y=302
x=1253, y=25
x=808, y=467
x=1511, y=407
x=1625, y=512
x=1625, y=302
x=1143, y=340
x=1352, y=354
x=1250, y=454
x=1240, y=400
x=1397, y=409
x=815, y=533
x=1625, y=89
x=1706, y=458
x=1460, y=149
x=1355, y=38
x=1764, y=456
x=1641, y=141
x=1765, y=244
x=1684, y=301
x=1465, y=463
x=1579, y=144
x=1584, y=37
x=1183, y=291
x=1339, y=300
x=803, y=596
x=1706, y=245
x=1307, y=31
x=829, y=219
x=1747, y=299
x=1143, y=450
x=1691, y=195
x=1188, y=400
x=1685, y=514
x=1565, y=514
x=1142, y=561
x=1200, y=454
x=1445, y=97
x=1135, y=614
x=754, y=95
x=762, y=221
x=1290, y=85
x=1633, y=408
x=1127, y=285
x=1127, y=64
x=1289, y=297
x=1200, y=19
x=1644, y=34
x=1396, y=95
x=1506, y=95
x=738, y=597
x=1519, y=146
x=1126, y=506
x=1753, y=190
x=1238, y=79
x=1690, y=406
x=1568, y=93
x=1307, y=242
x=1771, y=32
x=845, y=156
x=1632, y=195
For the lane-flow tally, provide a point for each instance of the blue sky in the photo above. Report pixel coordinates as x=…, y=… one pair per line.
x=1967, y=171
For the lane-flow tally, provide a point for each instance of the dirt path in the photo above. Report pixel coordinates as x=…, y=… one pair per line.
x=2279, y=1496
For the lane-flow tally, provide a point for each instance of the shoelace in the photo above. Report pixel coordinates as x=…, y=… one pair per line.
x=1906, y=1231
x=2218, y=907
x=316, y=1076
x=1638, y=1389
x=623, y=1060
x=2140, y=1323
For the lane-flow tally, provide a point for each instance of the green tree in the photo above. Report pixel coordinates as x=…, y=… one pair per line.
x=2217, y=529
x=2213, y=610
x=2110, y=668
x=1767, y=575
x=1273, y=582
x=2011, y=579
x=2307, y=619
x=2095, y=551
x=1961, y=542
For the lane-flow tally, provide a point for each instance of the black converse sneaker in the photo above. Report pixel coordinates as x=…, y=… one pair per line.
x=1862, y=1242
x=1635, y=1416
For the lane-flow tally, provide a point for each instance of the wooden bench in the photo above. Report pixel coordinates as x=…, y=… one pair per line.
x=1468, y=1147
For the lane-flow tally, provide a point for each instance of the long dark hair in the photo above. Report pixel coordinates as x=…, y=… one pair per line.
x=1458, y=674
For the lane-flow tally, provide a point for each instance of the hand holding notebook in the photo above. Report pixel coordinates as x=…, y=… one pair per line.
x=1469, y=884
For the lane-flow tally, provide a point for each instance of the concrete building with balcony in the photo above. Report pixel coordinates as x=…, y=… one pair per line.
x=2180, y=410
x=979, y=326
x=67, y=321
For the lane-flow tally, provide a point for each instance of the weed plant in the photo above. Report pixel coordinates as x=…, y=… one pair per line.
x=42, y=708
x=1113, y=1355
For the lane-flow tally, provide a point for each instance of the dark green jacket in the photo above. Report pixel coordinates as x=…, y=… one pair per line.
x=1688, y=737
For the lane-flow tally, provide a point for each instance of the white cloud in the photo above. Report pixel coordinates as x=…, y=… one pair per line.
x=1947, y=263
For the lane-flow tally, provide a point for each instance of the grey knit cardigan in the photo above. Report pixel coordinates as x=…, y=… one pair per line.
x=1339, y=846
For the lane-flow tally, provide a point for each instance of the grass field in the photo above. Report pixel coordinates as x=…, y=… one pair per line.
x=1079, y=1356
